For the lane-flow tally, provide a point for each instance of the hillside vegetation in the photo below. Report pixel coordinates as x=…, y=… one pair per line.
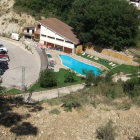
x=11, y=21
x=103, y=22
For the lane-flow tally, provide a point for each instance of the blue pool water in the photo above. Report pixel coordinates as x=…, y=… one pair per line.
x=77, y=65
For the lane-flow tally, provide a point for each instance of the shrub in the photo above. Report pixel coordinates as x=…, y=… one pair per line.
x=95, y=103
x=71, y=102
x=107, y=132
x=54, y=111
x=136, y=138
x=91, y=78
x=47, y=78
x=132, y=87
x=69, y=76
x=108, y=77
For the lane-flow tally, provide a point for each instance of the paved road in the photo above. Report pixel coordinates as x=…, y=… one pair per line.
x=42, y=58
x=19, y=57
x=39, y=50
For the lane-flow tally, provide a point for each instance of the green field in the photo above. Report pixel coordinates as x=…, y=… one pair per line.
x=60, y=80
x=98, y=61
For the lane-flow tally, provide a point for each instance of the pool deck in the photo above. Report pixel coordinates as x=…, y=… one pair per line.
x=55, y=54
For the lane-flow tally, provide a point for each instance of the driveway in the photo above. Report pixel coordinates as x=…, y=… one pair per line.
x=18, y=58
x=40, y=53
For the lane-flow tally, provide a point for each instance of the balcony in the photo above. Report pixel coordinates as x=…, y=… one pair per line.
x=28, y=34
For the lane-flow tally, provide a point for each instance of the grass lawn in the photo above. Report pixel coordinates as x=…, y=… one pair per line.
x=12, y=92
x=125, y=69
x=98, y=61
x=60, y=79
x=118, y=68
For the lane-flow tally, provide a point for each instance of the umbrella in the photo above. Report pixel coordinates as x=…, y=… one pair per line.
x=41, y=46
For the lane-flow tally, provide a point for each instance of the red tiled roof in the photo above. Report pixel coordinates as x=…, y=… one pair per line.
x=61, y=28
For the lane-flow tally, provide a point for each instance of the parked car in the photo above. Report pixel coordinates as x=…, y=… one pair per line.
x=1, y=45
x=4, y=55
x=4, y=59
x=4, y=66
x=3, y=52
x=4, y=62
x=3, y=49
x=1, y=72
x=2, y=69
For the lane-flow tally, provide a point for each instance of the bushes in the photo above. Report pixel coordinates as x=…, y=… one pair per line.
x=69, y=76
x=54, y=111
x=71, y=102
x=91, y=78
x=47, y=79
x=107, y=132
x=131, y=87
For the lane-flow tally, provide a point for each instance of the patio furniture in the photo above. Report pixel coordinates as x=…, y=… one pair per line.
x=113, y=64
x=95, y=58
x=110, y=63
x=84, y=53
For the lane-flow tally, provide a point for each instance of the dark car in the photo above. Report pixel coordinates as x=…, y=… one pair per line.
x=4, y=62
x=4, y=66
x=1, y=72
x=2, y=69
x=1, y=45
x=3, y=52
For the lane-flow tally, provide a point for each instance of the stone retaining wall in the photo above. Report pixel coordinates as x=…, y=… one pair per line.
x=54, y=93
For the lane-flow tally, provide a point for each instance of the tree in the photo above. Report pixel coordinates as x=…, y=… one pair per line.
x=69, y=76
x=47, y=78
x=91, y=78
x=106, y=22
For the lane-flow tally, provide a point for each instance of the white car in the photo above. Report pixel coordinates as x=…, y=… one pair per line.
x=2, y=48
x=4, y=59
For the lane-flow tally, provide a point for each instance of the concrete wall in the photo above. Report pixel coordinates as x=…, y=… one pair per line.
x=79, y=49
x=105, y=53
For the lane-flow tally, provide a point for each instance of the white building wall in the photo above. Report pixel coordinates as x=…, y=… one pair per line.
x=59, y=37
x=30, y=31
x=48, y=32
x=56, y=42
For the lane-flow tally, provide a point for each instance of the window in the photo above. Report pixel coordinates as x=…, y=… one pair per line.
x=27, y=30
x=69, y=42
x=43, y=35
x=60, y=39
x=51, y=37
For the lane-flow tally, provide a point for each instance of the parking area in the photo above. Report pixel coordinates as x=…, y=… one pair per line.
x=18, y=58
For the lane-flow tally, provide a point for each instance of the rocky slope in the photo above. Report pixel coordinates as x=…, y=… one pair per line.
x=34, y=122
x=10, y=21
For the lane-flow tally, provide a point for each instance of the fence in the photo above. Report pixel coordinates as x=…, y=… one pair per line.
x=106, y=54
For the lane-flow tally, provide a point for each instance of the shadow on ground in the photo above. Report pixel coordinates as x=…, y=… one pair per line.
x=13, y=120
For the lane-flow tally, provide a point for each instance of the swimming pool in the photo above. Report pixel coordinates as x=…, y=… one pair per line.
x=77, y=65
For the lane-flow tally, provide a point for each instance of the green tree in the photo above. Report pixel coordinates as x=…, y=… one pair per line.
x=91, y=78
x=69, y=76
x=47, y=78
x=106, y=22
